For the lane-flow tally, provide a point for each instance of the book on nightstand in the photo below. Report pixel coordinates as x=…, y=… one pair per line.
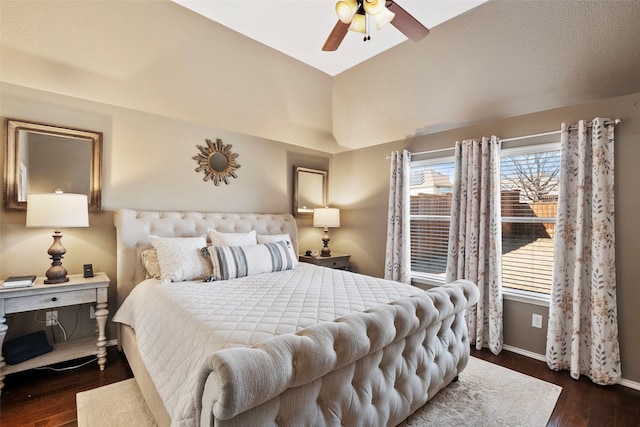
x=19, y=281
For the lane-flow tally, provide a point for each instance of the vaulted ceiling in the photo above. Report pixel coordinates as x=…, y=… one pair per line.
x=500, y=59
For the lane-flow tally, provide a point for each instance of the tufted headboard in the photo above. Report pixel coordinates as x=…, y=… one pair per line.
x=134, y=227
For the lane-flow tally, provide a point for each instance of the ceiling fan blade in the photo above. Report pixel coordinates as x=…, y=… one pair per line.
x=407, y=24
x=336, y=36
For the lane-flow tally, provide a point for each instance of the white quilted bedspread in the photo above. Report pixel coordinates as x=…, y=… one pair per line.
x=179, y=324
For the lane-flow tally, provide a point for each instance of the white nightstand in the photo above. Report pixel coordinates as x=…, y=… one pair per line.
x=77, y=290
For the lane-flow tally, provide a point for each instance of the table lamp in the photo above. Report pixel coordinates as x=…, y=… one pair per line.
x=57, y=210
x=326, y=217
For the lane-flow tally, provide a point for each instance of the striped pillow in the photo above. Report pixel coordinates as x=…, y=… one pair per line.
x=230, y=262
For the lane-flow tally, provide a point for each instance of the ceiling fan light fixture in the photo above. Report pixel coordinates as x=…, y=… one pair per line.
x=383, y=18
x=373, y=7
x=355, y=15
x=358, y=24
x=345, y=9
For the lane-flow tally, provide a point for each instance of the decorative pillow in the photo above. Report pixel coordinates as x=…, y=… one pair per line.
x=232, y=239
x=274, y=238
x=181, y=258
x=151, y=263
x=230, y=262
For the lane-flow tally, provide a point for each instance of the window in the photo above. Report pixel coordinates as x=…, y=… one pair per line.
x=431, y=186
x=529, y=199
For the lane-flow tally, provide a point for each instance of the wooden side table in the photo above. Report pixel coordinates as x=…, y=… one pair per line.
x=77, y=290
x=335, y=260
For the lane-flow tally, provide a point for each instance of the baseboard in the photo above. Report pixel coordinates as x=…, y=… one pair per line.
x=631, y=384
x=112, y=342
x=541, y=357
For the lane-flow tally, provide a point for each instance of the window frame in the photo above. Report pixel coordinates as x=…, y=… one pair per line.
x=420, y=277
x=513, y=294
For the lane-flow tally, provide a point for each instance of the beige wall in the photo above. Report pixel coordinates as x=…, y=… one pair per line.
x=501, y=59
x=363, y=177
x=161, y=58
x=147, y=165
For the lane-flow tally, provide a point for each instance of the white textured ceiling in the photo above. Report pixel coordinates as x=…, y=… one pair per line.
x=299, y=28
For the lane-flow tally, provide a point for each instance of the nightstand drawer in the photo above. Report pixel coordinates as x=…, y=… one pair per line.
x=49, y=300
x=338, y=263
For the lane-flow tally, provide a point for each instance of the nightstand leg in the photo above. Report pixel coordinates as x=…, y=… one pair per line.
x=3, y=333
x=101, y=318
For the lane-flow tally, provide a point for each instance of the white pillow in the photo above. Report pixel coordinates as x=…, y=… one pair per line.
x=181, y=258
x=232, y=239
x=230, y=262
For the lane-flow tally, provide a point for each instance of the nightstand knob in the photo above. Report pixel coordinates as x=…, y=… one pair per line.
x=54, y=299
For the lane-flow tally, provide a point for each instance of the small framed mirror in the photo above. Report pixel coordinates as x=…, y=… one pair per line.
x=309, y=190
x=217, y=161
x=42, y=158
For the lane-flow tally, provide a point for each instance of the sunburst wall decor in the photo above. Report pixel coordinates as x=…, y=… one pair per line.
x=217, y=161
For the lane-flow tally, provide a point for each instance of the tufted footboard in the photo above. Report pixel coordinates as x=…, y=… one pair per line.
x=370, y=368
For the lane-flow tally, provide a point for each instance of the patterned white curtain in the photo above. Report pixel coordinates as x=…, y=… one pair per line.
x=583, y=322
x=397, y=264
x=475, y=236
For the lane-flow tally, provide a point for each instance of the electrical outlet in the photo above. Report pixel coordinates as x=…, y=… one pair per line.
x=536, y=320
x=52, y=317
x=92, y=312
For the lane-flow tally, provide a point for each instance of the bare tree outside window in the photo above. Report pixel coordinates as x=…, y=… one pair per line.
x=535, y=175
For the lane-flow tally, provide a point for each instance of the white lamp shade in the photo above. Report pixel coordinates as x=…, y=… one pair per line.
x=358, y=24
x=57, y=210
x=326, y=217
x=345, y=11
x=373, y=7
x=383, y=18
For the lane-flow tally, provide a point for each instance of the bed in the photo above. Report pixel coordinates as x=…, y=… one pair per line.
x=302, y=345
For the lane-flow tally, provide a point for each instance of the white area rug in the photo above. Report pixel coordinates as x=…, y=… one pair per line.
x=485, y=395
x=119, y=404
x=489, y=395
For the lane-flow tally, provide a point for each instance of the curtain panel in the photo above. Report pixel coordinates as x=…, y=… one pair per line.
x=583, y=324
x=397, y=264
x=475, y=236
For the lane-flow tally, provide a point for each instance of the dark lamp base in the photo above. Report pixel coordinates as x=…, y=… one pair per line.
x=325, y=240
x=56, y=273
x=54, y=281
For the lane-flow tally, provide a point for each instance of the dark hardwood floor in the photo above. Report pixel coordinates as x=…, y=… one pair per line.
x=46, y=398
x=581, y=403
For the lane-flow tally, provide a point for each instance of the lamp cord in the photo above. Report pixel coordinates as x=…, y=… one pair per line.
x=68, y=368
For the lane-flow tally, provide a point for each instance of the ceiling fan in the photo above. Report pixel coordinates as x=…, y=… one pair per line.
x=354, y=14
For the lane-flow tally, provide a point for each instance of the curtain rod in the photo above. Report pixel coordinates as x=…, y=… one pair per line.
x=516, y=138
x=574, y=127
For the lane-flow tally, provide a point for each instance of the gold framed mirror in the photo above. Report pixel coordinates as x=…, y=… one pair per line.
x=217, y=161
x=41, y=158
x=309, y=190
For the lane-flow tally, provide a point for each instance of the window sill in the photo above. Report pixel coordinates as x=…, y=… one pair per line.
x=526, y=297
